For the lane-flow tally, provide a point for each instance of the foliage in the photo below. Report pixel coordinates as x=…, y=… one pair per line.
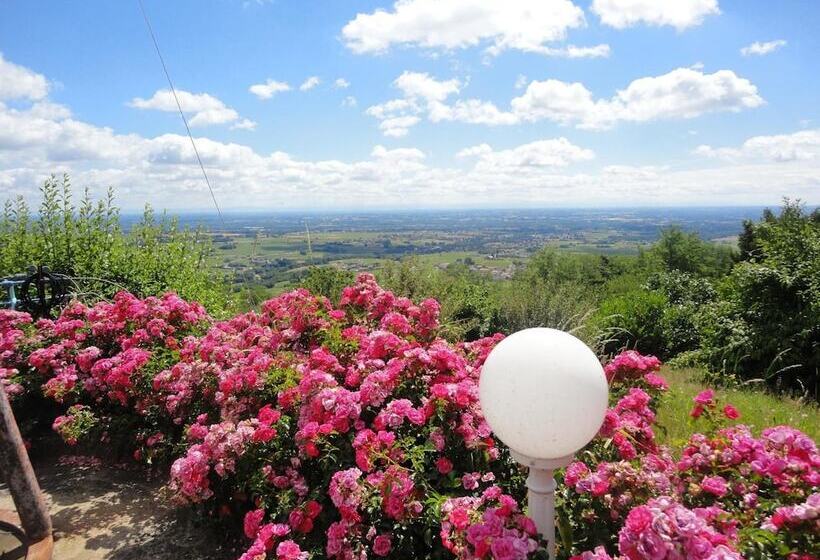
x=553, y=291
x=760, y=408
x=757, y=319
x=327, y=281
x=633, y=320
x=681, y=251
x=88, y=244
x=729, y=494
x=767, y=322
x=469, y=302
x=546, y=293
x=354, y=431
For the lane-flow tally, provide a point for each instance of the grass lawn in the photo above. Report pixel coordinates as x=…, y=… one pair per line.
x=758, y=409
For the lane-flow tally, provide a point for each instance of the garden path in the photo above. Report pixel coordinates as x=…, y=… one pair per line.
x=101, y=512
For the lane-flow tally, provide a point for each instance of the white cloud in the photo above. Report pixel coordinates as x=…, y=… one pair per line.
x=525, y=25
x=521, y=81
x=310, y=83
x=268, y=89
x=341, y=83
x=558, y=152
x=40, y=138
x=421, y=93
x=393, y=108
x=760, y=49
x=573, y=51
x=632, y=172
x=680, y=94
x=473, y=151
x=398, y=126
x=472, y=111
x=421, y=85
x=798, y=146
x=679, y=14
x=18, y=82
x=162, y=170
x=203, y=108
x=407, y=154
x=245, y=124
x=349, y=102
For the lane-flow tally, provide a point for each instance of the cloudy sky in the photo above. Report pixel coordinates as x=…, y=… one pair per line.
x=329, y=104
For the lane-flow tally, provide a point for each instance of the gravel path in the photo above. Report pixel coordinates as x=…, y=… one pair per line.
x=107, y=513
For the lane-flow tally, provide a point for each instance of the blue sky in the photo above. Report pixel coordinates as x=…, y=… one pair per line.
x=420, y=103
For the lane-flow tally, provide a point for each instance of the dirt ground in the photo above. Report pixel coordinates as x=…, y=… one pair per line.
x=101, y=512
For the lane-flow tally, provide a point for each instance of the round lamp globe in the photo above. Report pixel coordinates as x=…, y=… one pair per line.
x=543, y=393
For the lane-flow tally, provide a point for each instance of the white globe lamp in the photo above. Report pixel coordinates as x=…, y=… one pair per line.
x=544, y=394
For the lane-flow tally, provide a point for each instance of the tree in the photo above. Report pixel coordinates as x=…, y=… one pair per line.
x=747, y=242
x=687, y=252
x=768, y=324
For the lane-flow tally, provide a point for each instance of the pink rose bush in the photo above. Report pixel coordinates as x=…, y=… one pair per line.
x=354, y=431
x=631, y=369
x=630, y=498
x=662, y=528
x=488, y=526
x=11, y=349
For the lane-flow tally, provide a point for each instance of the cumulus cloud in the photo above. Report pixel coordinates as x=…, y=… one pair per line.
x=397, y=154
x=203, y=109
x=558, y=152
x=680, y=94
x=524, y=25
x=38, y=138
x=341, y=83
x=310, y=83
x=18, y=82
x=798, y=146
x=244, y=124
x=398, y=126
x=679, y=14
x=472, y=111
x=474, y=151
x=760, y=49
x=421, y=92
x=268, y=89
x=421, y=85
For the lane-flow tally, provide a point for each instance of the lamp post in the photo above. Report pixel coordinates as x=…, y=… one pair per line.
x=544, y=394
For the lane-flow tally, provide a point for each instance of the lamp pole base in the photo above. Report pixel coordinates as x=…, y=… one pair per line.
x=541, y=494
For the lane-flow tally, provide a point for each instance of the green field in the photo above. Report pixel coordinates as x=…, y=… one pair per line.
x=273, y=263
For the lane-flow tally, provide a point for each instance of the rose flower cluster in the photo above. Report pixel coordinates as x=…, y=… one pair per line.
x=353, y=431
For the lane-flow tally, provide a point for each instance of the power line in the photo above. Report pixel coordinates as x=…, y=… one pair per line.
x=252, y=298
x=179, y=107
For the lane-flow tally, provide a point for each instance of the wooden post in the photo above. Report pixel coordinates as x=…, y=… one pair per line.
x=19, y=475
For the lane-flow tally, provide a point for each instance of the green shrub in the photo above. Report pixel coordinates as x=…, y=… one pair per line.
x=768, y=324
x=560, y=305
x=88, y=244
x=633, y=320
x=327, y=281
x=469, y=301
x=681, y=251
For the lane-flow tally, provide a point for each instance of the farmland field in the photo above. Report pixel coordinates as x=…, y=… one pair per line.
x=275, y=250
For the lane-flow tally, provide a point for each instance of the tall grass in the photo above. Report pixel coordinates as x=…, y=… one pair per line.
x=758, y=409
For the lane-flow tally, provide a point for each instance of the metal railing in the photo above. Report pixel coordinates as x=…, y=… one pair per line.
x=10, y=286
x=37, y=292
